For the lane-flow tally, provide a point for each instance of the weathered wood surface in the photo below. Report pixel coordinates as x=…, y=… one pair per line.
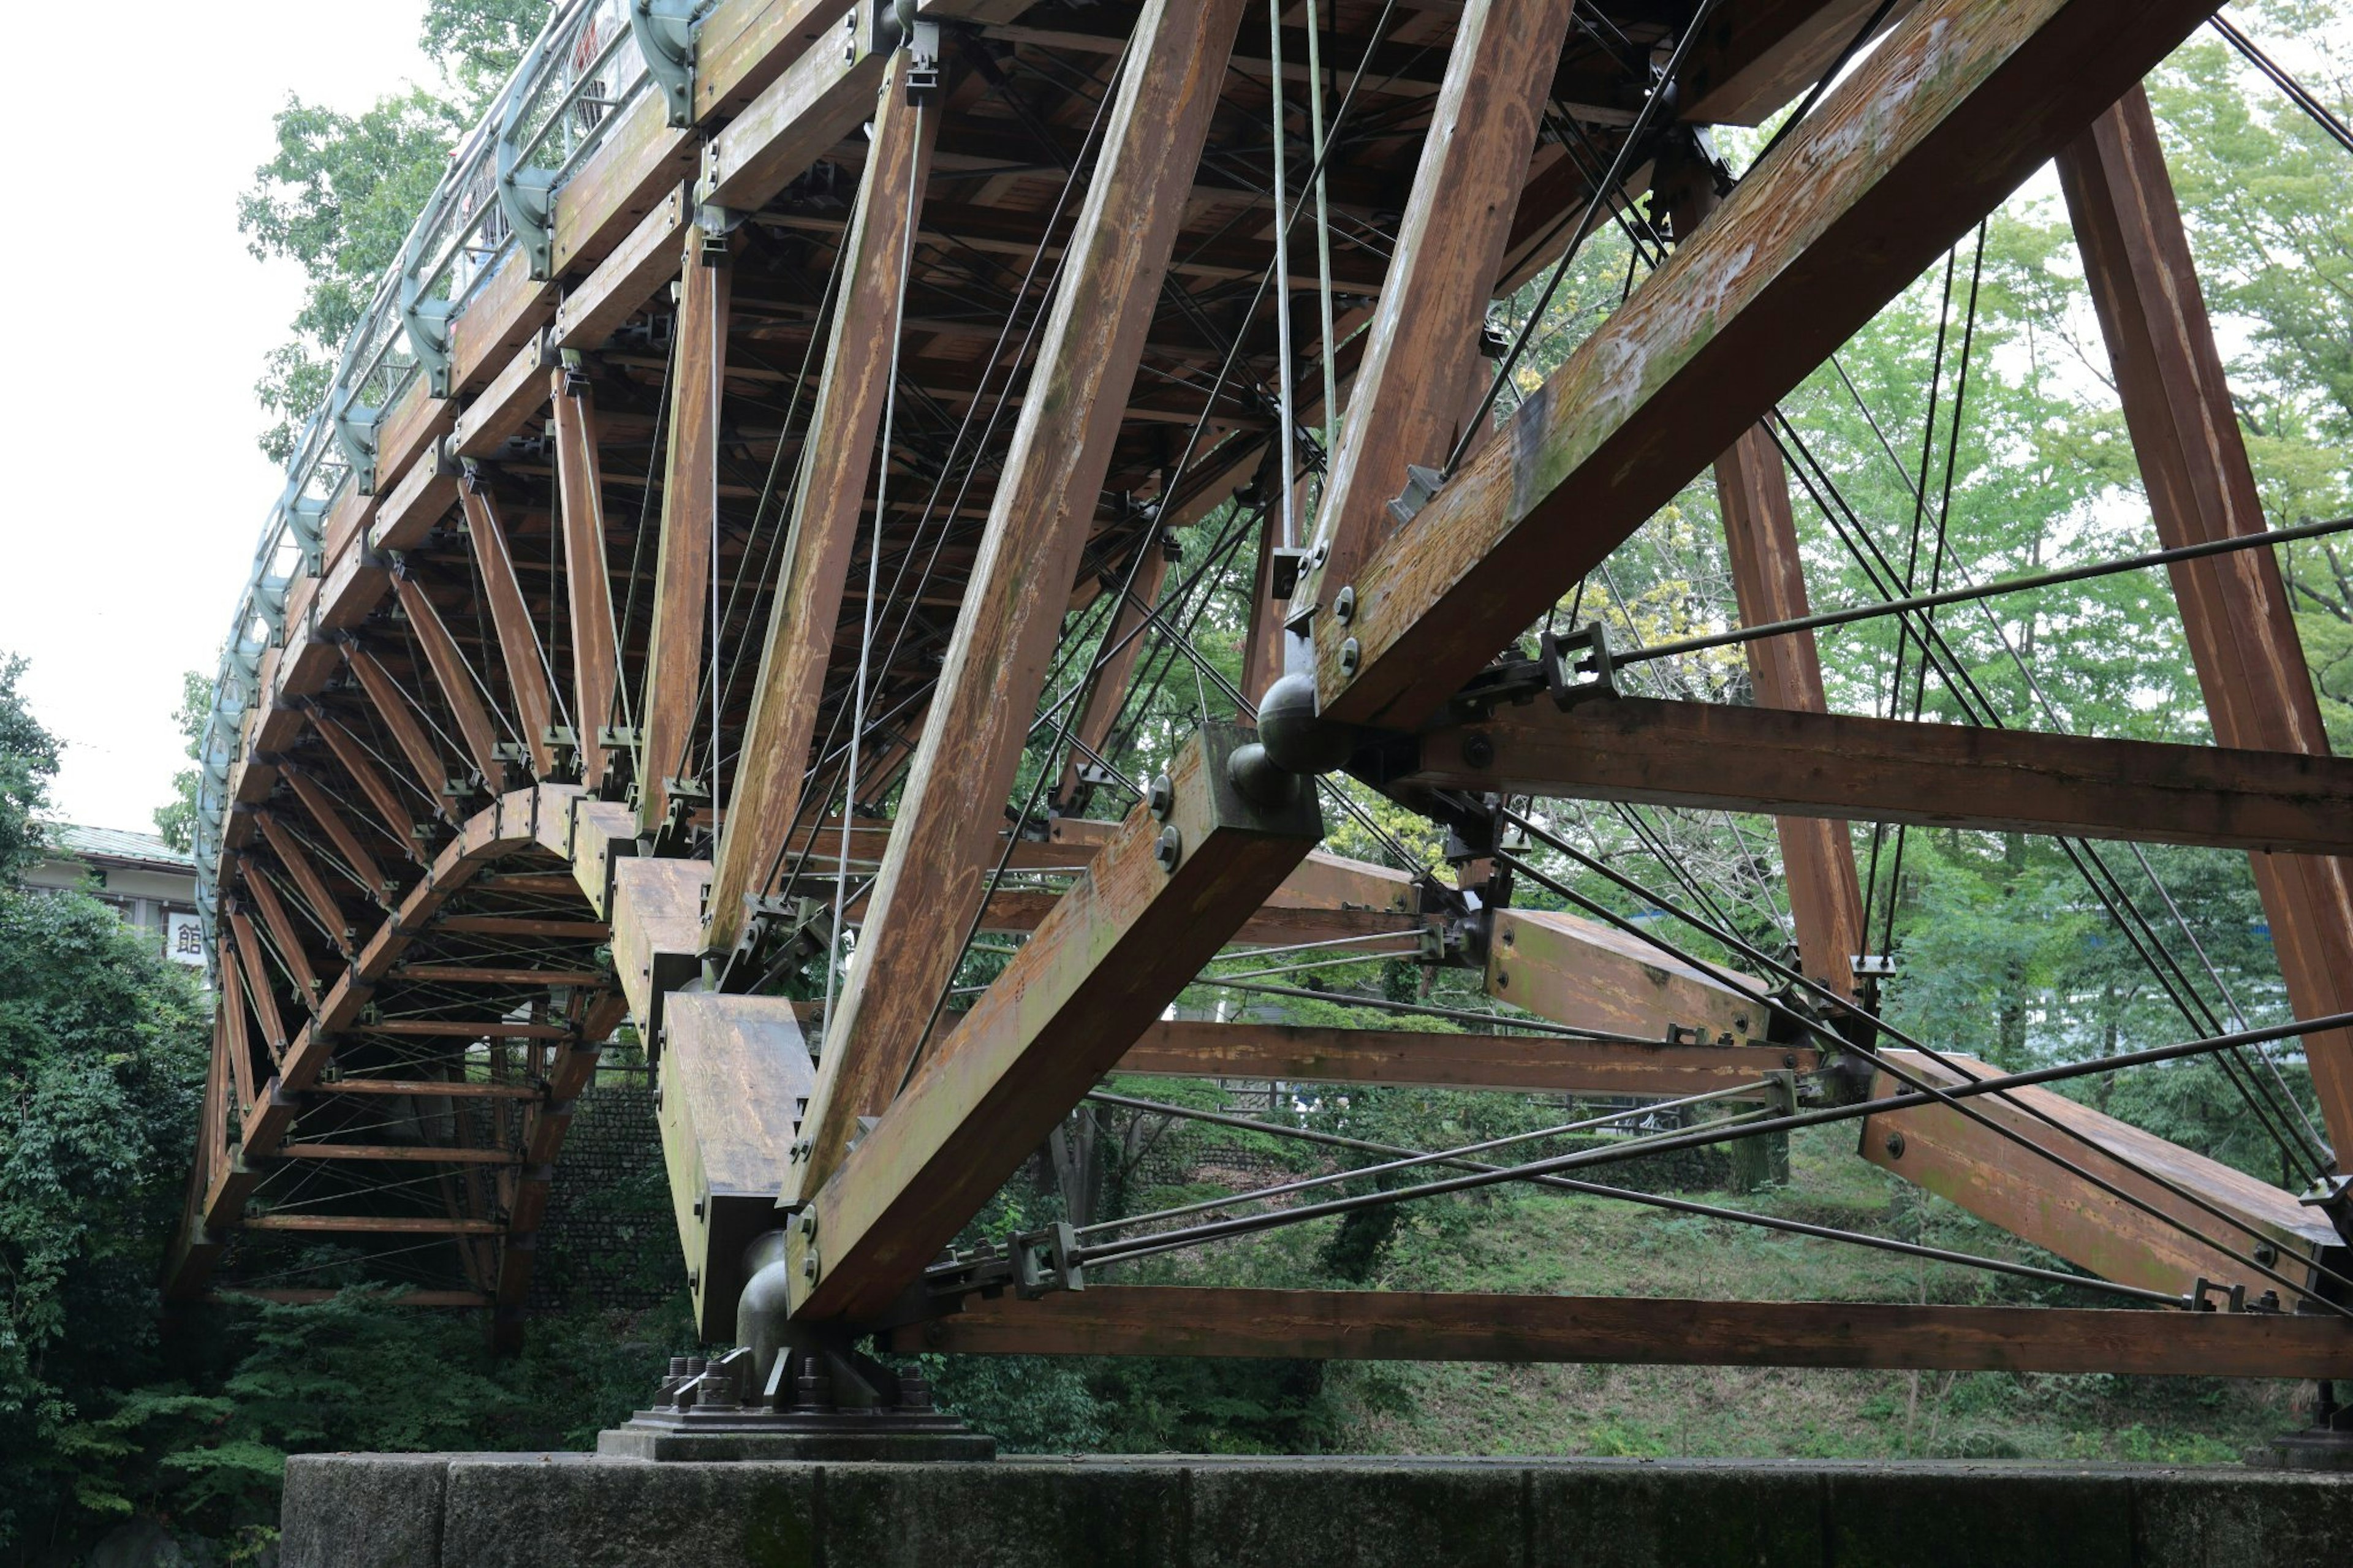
x=1945, y=775
x=1948, y=114
x=736, y=1077
x=519, y=643
x=588, y=584
x=1419, y=372
x=672, y=712
x=1960, y=1159
x=1590, y=976
x=1095, y=976
x=930, y=882
x=1536, y=1064
x=2234, y=607
x=765, y=797
x=1402, y=1325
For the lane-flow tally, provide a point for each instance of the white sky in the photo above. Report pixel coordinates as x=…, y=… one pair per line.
x=138, y=327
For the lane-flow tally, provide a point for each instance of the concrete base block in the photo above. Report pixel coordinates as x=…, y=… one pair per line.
x=508, y=1510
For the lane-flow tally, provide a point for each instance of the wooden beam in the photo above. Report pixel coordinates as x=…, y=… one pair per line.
x=1963, y=1159
x=469, y=1028
x=398, y=1152
x=456, y=680
x=455, y=1089
x=479, y=974
x=1768, y=583
x=259, y=994
x=237, y=1041
x=690, y=529
x=372, y=1225
x=330, y=820
x=2234, y=608
x=1122, y=643
x=315, y=892
x=393, y=706
x=353, y=758
x=1946, y=116
x=625, y=280
x=838, y=463
x=1535, y=1064
x=820, y=98
x=1589, y=976
x=587, y=580
x=930, y=885
x=1402, y=1325
x=1890, y=769
x=1079, y=993
x=519, y=643
x=254, y=883
x=1420, y=370
x=525, y=925
x=1759, y=56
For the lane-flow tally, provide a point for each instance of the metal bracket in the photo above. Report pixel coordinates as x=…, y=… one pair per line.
x=1420, y=484
x=526, y=195
x=1557, y=652
x=354, y=433
x=427, y=324
x=665, y=33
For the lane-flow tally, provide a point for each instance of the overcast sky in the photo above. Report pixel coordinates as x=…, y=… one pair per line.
x=138, y=327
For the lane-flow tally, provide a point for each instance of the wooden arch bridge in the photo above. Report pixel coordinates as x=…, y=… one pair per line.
x=744, y=516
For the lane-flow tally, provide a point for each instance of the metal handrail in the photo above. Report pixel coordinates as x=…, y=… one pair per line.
x=382, y=351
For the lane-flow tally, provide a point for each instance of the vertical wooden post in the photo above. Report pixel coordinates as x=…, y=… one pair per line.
x=2234, y=607
x=526, y=660
x=588, y=581
x=1422, y=362
x=690, y=526
x=950, y=813
x=766, y=794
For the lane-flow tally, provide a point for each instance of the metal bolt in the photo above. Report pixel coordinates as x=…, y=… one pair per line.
x=1895, y=1145
x=1478, y=751
x=808, y=1267
x=2266, y=1254
x=1170, y=850
x=1503, y=981
x=808, y=1221
x=1161, y=798
x=1352, y=654
x=1344, y=605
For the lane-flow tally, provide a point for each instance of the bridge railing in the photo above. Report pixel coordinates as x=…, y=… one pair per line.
x=590, y=64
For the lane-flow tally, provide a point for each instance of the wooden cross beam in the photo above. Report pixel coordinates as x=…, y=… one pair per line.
x=588, y=579
x=1953, y=110
x=1534, y=1064
x=1945, y=775
x=519, y=643
x=1416, y=1325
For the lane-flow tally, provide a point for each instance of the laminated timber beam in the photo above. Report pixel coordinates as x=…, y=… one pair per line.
x=1155, y=906
x=838, y=465
x=1954, y=109
x=588, y=578
x=519, y=643
x=1419, y=373
x=1414, y=1325
x=1837, y=765
x=329, y=818
x=931, y=883
x=1588, y=976
x=399, y=821
x=2234, y=608
x=321, y=900
x=456, y=680
x=394, y=707
x=1961, y=1158
x=1757, y=56
x=690, y=533
x=1535, y=1064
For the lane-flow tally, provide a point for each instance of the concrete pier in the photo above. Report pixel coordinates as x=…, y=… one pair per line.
x=572, y=1510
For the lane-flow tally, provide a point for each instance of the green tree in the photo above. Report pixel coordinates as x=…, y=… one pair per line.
x=28, y=760
x=339, y=195
x=177, y=821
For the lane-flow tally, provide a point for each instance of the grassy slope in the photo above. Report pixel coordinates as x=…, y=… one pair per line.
x=1530, y=1242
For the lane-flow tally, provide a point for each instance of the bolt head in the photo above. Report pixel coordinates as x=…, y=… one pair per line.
x=1478, y=750
x=1161, y=798
x=1352, y=655
x=1170, y=850
x=1344, y=605
x=1894, y=1144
